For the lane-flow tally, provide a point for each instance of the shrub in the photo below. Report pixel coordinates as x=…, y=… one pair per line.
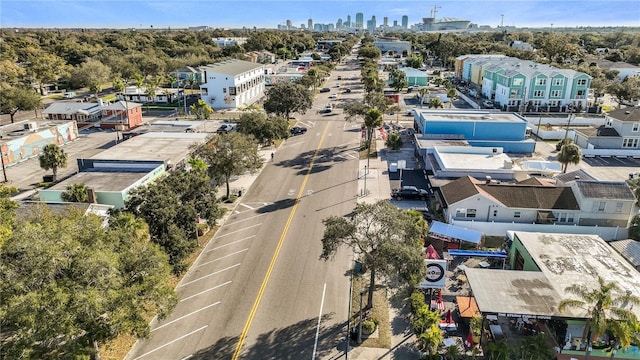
x=368, y=326
x=563, y=142
x=417, y=301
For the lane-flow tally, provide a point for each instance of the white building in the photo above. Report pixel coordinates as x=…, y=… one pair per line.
x=229, y=41
x=232, y=83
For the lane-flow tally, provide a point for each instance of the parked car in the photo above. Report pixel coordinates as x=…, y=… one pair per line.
x=333, y=96
x=487, y=104
x=409, y=192
x=414, y=87
x=339, y=77
x=347, y=90
x=444, y=98
x=338, y=85
x=298, y=130
x=226, y=128
x=323, y=90
x=473, y=92
x=69, y=95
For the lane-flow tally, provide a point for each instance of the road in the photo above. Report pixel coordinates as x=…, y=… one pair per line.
x=259, y=290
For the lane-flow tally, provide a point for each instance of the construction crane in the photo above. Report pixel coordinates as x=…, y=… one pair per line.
x=434, y=11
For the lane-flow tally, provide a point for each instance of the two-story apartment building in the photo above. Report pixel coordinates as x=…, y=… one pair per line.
x=232, y=83
x=535, y=204
x=621, y=131
x=100, y=114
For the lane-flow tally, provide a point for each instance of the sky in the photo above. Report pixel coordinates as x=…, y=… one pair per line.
x=270, y=14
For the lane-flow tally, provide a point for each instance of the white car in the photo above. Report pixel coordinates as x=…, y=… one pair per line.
x=333, y=96
x=414, y=87
x=487, y=104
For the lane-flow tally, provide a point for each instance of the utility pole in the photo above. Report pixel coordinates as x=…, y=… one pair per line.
x=4, y=170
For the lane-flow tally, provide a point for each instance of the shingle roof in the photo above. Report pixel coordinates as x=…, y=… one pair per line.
x=626, y=114
x=573, y=176
x=70, y=108
x=459, y=189
x=612, y=190
x=629, y=249
x=532, y=197
x=233, y=67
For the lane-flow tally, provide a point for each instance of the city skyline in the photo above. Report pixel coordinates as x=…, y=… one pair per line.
x=271, y=14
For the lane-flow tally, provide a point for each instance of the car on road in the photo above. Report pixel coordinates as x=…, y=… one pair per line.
x=69, y=95
x=333, y=96
x=338, y=85
x=225, y=128
x=413, y=87
x=487, y=104
x=298, y=130
x=409, y=192
x=473, y=92
x=323, y=90
x=347, y=91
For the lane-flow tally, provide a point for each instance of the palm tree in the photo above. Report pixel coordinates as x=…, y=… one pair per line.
x=436, y=103
x=76, y=193
x=602, y=305
x=135, y=227
x=138, y=79
x=569, y=154
x=536, y=348
x=625, y=333
x=53, y=157
x=423, y=92
x=394, y=141
x=372, y=121
x=499, y=350
x=452, y=93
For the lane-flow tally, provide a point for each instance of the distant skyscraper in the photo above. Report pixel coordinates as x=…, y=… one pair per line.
x=371, y=24
x=288, y=24
x=348, y=22
x=405, y=22
x=395, y=23
x=339, y=24
x=310, y=24
x=359, y=20
x=385, y=21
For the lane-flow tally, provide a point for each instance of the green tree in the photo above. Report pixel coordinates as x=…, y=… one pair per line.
x=52, y=158
x=118, y=85
x=171, y=206
x=76, y=193
x=397, y=79
x=372, y=121
x=625, y=333
x=425, y=326
x=201, y=109
x=602, y=305
x=46, y=68
x=11, y=74
x=625, y=91
x=385, y=239
x=569, y=154
x=58, y=298
x=452, y=94
x=264, y=129
x=536, y=348
x=423, y=94
x=369, y=52
x=18, y=99
x=91, y=73
x=435, y=103
x=414, y=61
x=230, y=155
x=286, y=98
x=634, y=184
x=394, y=141
x=499, y=350
x=7, y=212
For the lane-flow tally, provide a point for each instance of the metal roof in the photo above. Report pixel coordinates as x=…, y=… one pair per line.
x=456, y=232
x=232, y=67
x=629, y=249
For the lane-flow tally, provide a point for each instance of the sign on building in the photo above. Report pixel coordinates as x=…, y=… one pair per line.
x=436, y=274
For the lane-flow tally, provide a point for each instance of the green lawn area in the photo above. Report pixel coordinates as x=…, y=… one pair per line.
x=380, y=312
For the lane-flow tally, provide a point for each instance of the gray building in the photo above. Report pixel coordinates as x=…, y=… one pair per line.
x=620, y=131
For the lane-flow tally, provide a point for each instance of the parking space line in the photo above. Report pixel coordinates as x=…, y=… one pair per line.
x=246, y=219
x=231, y=243
x=212, y=274
x=185, y=316
x=204, y=291
x=237, y=231
x=247, y=206
x=171, y=342
x=223, y=257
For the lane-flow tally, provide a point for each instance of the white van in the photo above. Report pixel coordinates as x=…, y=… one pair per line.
x=69, y=95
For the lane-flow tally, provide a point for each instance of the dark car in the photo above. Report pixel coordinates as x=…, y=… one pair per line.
x=298, y=130
x=409, y=192
x=347, y=90
x=226, y=128
x=323, y=90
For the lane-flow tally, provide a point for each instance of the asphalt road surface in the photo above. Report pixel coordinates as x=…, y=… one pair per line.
x=259, y=289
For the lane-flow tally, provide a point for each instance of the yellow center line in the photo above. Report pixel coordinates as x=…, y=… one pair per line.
x=256, y=303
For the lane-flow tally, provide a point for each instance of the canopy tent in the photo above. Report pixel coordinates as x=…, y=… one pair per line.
x=467, y=306
x=448, y=232
x=478, y=253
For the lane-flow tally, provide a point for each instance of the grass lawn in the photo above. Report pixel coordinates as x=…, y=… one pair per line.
x=373, y=150
x=379, y=312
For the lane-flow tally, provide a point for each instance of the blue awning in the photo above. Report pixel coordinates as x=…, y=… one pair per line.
x=455, y=232
x=478, y=253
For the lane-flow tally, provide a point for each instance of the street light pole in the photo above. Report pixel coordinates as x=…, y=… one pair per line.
x=365, y=180
x=4, y=170
x=360, y=324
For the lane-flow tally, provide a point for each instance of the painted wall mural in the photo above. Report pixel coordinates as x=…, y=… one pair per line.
x=31, y=143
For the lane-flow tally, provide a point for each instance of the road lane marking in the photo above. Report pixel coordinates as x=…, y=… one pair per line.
x=237, y=231
x=247, y=206
x=185, y=316
x=171, y=342
x=222, y=257
x=315, y=344
x=188, y=357
x=231, y=243
x=213, y=273
x=204, y=291
x=265, y=280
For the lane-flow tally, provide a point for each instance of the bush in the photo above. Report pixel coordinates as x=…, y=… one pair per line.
x=368, y=326
x=417, y=301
